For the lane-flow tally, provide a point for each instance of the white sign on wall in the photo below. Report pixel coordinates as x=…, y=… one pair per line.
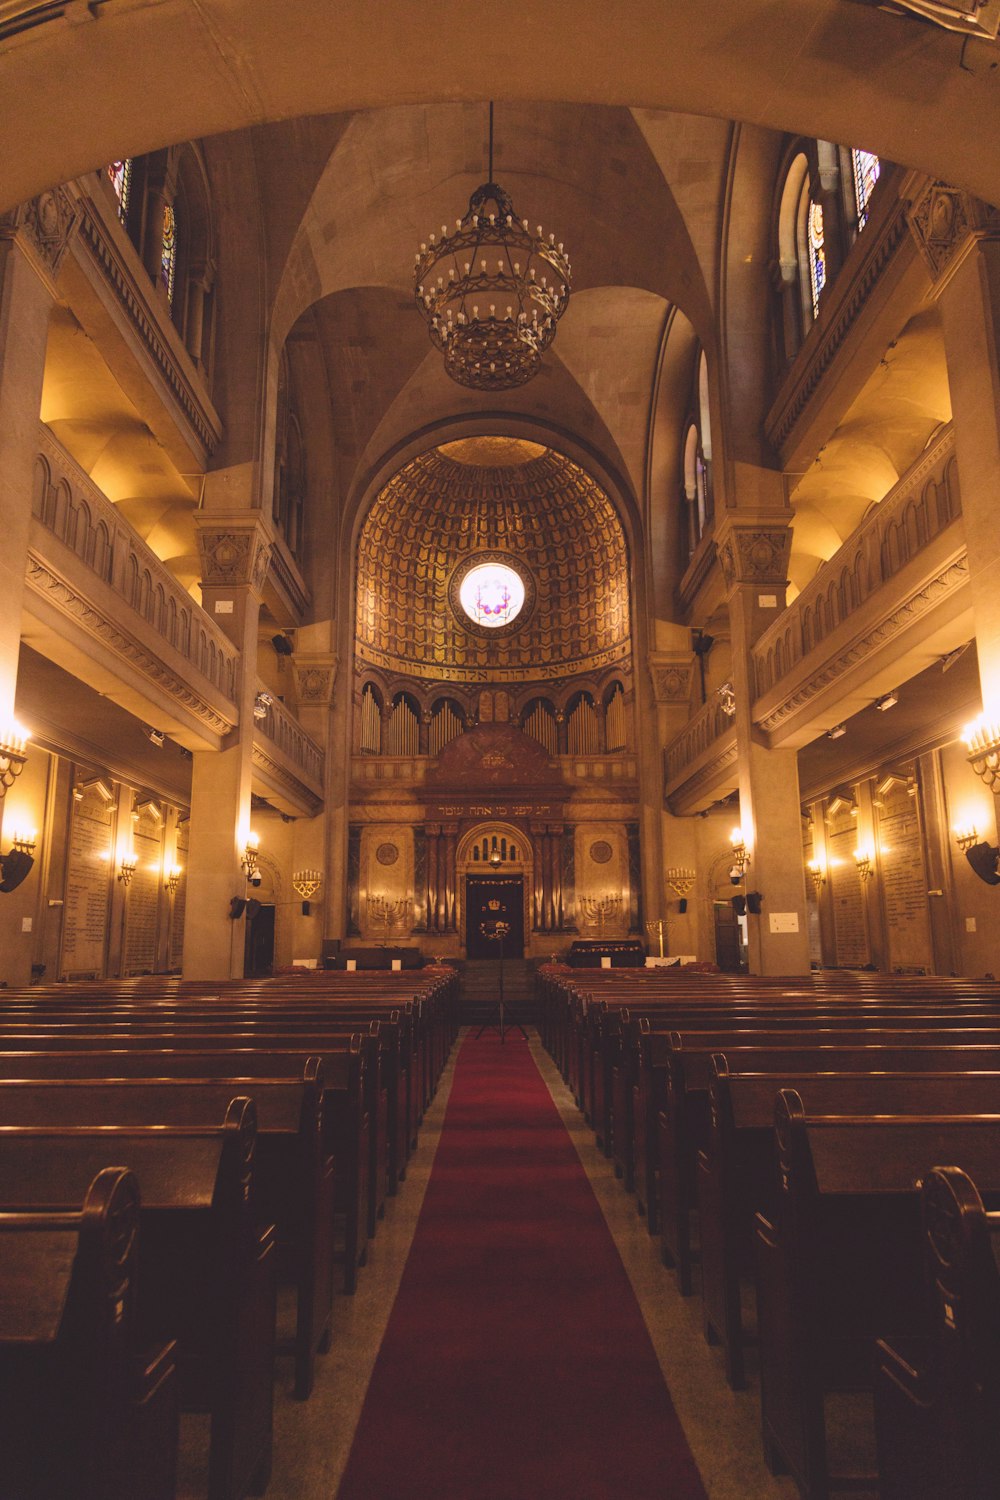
x=784, y=921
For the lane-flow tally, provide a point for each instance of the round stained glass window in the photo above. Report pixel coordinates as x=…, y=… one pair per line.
x=492, y=595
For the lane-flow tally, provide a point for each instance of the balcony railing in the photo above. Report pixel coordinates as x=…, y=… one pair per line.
x=286, y=734
x=924, y=502
x=70, y=506
x=710, y=725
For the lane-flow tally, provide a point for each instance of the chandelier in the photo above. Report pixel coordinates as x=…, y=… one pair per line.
x=492, y=292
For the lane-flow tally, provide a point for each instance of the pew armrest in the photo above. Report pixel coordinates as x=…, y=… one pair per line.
x=907, y=1367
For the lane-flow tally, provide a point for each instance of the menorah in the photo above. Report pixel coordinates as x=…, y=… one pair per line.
x=600, y=911
x=657, y=929
x=387, y=914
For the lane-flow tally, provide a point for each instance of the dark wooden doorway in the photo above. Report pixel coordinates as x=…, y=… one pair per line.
x=728, y=939
x=490, y=899
x=258, y=953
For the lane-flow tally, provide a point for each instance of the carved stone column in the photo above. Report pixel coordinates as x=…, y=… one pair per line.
x=33, y=241
x=318, y=842
x=450, y=839
x=753, y=553
x=234, y=550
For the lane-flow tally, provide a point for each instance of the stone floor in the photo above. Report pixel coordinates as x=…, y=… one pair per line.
x=312, y=1439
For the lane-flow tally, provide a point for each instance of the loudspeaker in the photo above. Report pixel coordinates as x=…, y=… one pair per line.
x=754, y=898
x=237, y=907
x=682, y=905
x=739, y=905
x=982, y=857
x=14, y=867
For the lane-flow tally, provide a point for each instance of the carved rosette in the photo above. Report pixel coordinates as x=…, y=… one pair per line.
x=233, y=553
x=755, y=554
x=945, y=223
x=671, y=677
x=44, y=227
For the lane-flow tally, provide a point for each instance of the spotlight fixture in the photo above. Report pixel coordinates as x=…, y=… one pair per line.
x=887, y=700
x=127, y=866
x=13, y=753
x=863, y=860
x=262, y=705
x=282, y=645
x=248, y=859
x=982, y=740
x=491, y=292
x=154, y=736
x=837, y=732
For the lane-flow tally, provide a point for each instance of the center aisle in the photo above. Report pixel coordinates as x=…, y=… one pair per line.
x=516, y=1363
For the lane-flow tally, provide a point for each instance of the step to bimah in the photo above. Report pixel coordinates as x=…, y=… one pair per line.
x=479, y=989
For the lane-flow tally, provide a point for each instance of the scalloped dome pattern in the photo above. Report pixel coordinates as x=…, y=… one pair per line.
x=547, y=516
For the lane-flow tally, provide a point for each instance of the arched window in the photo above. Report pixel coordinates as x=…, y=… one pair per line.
x=865, y=169
x=120, y=173
x=168, y=251
x=697, y=459
x=815, y=252
x=288, y=496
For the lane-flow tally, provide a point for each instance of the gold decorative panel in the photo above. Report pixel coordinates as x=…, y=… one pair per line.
x=544, y=514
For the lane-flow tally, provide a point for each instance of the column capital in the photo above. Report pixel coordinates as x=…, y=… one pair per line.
x=43, y=227
x=234, y=549
x=754, y=548
x=671, y=673
x=315, y=674
x=946, y=223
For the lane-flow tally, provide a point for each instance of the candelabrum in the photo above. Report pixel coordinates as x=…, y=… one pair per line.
x=306, y=883
x=387, y=914
x=657, y=929
x=982, y=740
x=600, y=911
x=679, y=879
x=13, y=754
x=817, y=874
x=741, y=854
x=173, y=879
x=966, y=834
x=248, y=859
x=864, y=860
x=127, y=865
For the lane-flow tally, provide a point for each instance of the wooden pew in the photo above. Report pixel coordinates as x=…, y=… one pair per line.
x=840, y=1265
x=85, y=1411
x=937, y=1405
x=738, y=1171
x=344, y=1112
x=206, y=1272
x=294, y=1171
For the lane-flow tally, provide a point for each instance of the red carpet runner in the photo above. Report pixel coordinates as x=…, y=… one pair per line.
x=516, y=1364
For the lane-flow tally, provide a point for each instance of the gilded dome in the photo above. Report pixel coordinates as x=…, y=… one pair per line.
x=530, y=508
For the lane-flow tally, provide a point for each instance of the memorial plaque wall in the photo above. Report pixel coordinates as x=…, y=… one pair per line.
x=88, y=883
x=850, y=926
x=143, y=895
x=904, y=881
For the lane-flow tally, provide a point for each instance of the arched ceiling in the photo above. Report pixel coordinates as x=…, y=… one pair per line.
x=130, y=76
x=502, y=498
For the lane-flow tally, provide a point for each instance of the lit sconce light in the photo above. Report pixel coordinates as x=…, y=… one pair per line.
x=966, y=834
x=887, y=700
x=496, y=858
x=127, y=865
x=24, y=841
x=262, y=705
x=741, y=856
x=864, y=861
x=982, y=740
x=837, y=732
x=13, y=753
x=817, y=874
x=173, y=879
x=248, y=859
x=17, y=862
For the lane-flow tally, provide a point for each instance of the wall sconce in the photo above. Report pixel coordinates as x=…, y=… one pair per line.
x=982, y=740
x=863, y=860
x=965, y=836
x=262, y=705
x=248, y=859
x=13, y=754
x=741, y=857
x=680, y=879
x=306, y=884
x=16, y=864
x=173, y=879
x=126, y=868
x=817, y=874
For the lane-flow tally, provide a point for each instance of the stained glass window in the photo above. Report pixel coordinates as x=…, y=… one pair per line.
x=120, y=173
x=817, y=254
x=168, y=254
x=492, y=595
x=866, y=169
